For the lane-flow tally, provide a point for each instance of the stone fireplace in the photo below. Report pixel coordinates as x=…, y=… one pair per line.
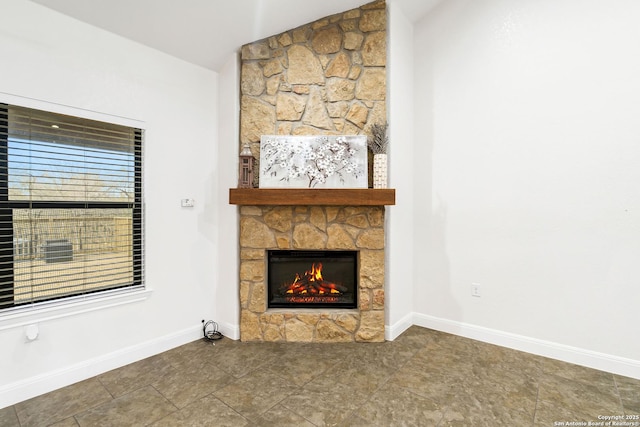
x=358, y=229
x=327, y=77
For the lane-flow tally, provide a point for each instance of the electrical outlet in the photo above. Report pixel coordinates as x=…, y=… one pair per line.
x=187, y=203
x=475, y=289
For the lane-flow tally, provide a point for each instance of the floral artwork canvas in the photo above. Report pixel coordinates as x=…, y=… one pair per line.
x=337, y=161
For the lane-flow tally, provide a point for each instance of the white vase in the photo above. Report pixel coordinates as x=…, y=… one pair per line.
x=380, y=171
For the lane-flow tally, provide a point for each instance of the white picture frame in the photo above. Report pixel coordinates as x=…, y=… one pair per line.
x=319, y=161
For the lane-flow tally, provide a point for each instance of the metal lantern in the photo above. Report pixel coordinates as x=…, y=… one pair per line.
x=245, y=178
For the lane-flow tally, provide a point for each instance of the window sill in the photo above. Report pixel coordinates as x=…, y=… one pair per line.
x=46, y=311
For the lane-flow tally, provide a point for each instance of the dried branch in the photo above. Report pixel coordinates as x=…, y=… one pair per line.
x=378, y=141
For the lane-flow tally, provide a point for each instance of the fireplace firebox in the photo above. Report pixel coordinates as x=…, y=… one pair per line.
x=312, y=279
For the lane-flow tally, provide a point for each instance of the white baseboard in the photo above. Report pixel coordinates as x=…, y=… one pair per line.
x=19, y=391
x=565, y=353
x=394, y=331
x=229, y=330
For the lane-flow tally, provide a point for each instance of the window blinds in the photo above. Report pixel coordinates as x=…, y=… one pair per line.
x=70, y=206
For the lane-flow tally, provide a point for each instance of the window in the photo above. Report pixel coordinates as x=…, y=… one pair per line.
x=70, y=207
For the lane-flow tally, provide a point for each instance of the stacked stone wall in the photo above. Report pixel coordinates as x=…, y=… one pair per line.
x=324, y=78
x=315, y=227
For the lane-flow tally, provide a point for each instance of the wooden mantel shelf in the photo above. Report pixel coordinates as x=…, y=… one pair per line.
x=310, y=197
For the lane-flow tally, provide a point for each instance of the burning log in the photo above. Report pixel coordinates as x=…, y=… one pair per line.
x=312, y=283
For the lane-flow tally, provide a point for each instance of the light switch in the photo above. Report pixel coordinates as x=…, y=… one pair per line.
x=187, y=203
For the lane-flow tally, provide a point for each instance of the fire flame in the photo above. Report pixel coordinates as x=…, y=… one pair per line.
x=315, y=274
x=313, y=283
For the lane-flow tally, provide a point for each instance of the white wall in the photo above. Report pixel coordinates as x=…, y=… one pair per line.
x=399, y=218
x=527, y=119
x=227, y=297
x=51, y=61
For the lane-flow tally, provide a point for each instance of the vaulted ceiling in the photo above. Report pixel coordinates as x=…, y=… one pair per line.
x=206, y=32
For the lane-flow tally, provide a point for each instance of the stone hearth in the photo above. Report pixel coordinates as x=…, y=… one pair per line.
x=358, y=228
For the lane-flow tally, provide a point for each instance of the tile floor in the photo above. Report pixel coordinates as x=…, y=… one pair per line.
x=424, y=378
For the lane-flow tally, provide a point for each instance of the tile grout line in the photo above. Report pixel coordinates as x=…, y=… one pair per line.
x=535, y=409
